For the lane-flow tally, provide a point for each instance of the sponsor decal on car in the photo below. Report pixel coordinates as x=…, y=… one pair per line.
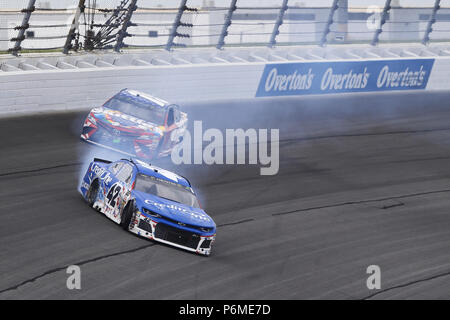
x=102, y=173
x=84, y=185
x=195, y=215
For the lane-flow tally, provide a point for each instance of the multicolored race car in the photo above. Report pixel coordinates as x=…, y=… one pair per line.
x=136, y=124
x=149, y=201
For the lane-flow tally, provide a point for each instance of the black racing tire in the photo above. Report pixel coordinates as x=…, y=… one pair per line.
x=92, y=194
x=127, y=215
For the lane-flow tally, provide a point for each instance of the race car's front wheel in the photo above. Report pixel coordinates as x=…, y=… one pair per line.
x=127, y=215
x=93, y=193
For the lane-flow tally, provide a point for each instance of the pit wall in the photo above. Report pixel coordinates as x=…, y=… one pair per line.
x=72, y=89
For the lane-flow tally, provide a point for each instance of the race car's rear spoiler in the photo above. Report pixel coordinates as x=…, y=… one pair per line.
x=102, y=160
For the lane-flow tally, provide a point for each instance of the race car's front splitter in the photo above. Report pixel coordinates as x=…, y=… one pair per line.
x=151, y=235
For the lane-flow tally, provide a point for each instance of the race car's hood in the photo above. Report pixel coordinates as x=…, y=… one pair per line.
x=173, y=210
x=124, y=122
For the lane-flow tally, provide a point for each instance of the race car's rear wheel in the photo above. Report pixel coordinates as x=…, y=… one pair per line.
x=127, y=215
x=93, y=193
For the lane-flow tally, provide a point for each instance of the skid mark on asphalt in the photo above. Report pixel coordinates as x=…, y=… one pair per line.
x=407, y=284
x=40, y=169
x=362, y=134
x=81, y=263
x=390, y=206
x=412, y=195
x=31, y=280
x=235, y=223
x=282, y=141
x=49, y=272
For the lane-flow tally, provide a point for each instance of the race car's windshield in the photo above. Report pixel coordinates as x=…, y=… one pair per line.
x=138, y=107
x=167, y=190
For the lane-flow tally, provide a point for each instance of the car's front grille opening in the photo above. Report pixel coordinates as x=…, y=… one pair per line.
x=206, y=244
x=88, y=130
x=175, y=235
x=145, y=226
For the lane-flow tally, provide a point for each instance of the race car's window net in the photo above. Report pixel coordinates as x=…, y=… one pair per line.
x=138, y=107
x=176, y=112
x=167, y=190
x=116, y=167
x=125, y=173
x=177, y=115
x=170, y=118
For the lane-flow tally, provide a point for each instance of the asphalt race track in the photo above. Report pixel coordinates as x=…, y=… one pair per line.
x=363, y=181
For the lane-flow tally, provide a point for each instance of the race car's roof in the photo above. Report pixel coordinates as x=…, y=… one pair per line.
x=136, y=95
x=159, y=173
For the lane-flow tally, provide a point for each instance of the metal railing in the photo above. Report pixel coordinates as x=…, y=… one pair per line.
x=138, y=24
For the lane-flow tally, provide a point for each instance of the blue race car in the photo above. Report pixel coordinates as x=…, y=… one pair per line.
x=149, y=201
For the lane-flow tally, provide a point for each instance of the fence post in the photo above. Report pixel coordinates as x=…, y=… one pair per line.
x=25, y=25
x=329, y=22
x=176, y=23
x=431, y=21
x=126, y=23
x=278, y=23
x=376, y=36
x=226, y=24
x=74, y=26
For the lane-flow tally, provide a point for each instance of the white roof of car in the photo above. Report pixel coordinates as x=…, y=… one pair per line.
x=155, y=100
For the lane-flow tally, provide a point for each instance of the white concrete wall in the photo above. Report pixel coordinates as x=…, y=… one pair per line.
x=38, y=91
x=59, y=90
x=440, y=76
